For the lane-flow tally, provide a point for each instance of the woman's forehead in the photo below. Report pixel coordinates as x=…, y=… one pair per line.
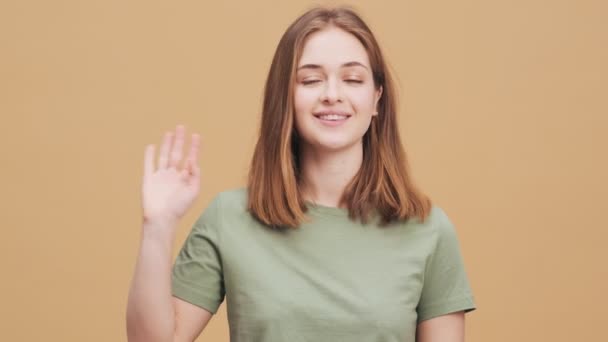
x=333, y=48
x=350, y=64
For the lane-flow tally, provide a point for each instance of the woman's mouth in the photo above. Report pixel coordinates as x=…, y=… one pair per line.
x=332, y=119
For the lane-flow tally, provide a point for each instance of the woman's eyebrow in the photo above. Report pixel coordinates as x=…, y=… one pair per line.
x=345, y=65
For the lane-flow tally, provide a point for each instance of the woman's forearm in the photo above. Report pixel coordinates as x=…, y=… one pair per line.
x=150, y=311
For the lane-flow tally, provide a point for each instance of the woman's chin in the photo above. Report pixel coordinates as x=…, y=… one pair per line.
x=334, y=145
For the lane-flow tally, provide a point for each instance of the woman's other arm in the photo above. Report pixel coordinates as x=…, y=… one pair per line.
x=445, y=328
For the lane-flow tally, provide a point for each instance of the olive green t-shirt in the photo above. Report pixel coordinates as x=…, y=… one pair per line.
x=331, y=279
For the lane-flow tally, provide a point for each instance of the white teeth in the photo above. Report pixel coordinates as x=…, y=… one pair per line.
x=332, y=117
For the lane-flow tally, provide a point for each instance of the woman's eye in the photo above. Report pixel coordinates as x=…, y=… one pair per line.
x=305, y=82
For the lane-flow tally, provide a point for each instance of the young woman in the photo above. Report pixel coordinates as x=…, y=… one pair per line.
x=329, y=240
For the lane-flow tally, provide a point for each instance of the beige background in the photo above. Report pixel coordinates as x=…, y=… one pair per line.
x=504, y=116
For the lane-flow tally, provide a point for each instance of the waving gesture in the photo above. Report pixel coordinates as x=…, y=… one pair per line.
x=168, y=189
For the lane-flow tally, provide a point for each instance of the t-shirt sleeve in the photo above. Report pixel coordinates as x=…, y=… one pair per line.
x=446, y=287
x=197, y=275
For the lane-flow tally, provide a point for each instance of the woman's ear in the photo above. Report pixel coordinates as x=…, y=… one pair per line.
x=378, y=96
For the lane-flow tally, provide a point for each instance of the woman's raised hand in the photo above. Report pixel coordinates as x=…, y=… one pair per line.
x=168, y=189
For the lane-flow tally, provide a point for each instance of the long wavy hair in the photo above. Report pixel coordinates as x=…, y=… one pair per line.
x=382, y=184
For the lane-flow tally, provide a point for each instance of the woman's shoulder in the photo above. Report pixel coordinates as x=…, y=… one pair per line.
x=440, y=223
x=436, y=221
x=232, y=199
x=437, y=214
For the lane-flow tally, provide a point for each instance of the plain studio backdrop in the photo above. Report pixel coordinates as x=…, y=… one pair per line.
x=503, y=111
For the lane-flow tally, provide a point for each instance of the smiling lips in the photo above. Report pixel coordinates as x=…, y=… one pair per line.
x=332, y=115
x=332, y=118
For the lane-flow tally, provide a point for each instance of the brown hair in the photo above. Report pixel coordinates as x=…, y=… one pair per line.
x=382, y=183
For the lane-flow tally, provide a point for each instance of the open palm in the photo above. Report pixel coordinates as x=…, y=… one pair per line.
x=169, y=190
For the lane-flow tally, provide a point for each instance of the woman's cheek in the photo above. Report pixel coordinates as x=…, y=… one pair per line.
x=360, y=99
x=305, y=98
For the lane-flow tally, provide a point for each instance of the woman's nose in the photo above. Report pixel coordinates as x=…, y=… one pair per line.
x=331, y=91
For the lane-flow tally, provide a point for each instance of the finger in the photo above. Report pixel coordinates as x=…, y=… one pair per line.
x=191, y=173
x=194, y=148
x=163, y=157
x=178, y=144
x=191, y=170
x=149, y=160
x=195, y=171
x=195, y=176
x=186, y=172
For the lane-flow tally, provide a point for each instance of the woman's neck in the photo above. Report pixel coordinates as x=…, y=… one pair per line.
x=325, y=174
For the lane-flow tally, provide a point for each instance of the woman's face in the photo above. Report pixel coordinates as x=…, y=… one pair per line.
x=335, y=97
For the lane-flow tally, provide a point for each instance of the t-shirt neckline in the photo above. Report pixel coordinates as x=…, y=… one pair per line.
x=323, y=209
